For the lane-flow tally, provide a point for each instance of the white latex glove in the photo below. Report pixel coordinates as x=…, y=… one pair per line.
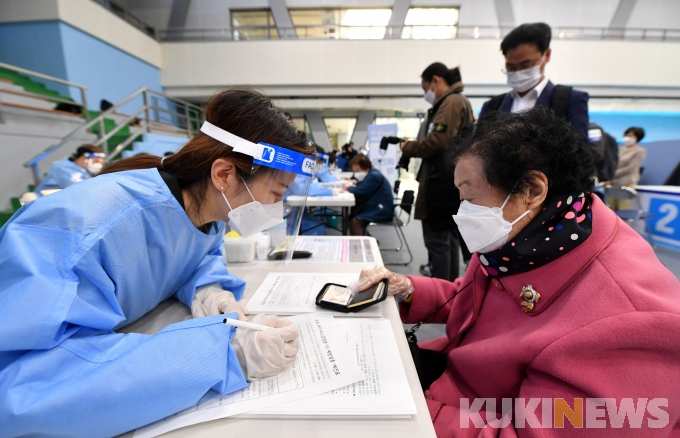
x=398, y=285
x=264, y=353
x=213, y=300
x=337, y=191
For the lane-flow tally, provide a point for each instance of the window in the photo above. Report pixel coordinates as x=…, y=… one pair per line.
x=340, y=23
x=253, y=25
x=430, y=23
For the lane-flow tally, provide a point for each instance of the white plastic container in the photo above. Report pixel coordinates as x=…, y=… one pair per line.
x=262, y=247
x=240, y=250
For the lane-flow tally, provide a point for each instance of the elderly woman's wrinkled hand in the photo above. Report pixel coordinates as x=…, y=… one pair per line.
x=398, y=285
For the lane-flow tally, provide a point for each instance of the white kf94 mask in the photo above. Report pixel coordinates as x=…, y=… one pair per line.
x=483, y=228
x=254, y=217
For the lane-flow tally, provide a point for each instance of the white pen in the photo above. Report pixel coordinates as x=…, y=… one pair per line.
x=243, y=324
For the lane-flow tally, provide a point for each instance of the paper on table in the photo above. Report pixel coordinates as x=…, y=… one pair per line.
x=346, y=250
x=321, y=365
x=295, y=293
x=383, y=393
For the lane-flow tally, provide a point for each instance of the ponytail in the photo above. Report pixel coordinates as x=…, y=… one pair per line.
x=450, y=76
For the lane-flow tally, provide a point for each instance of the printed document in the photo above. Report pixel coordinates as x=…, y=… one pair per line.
x=321, y=365
x=383, y=393
x=295, y=293
x=346, y=250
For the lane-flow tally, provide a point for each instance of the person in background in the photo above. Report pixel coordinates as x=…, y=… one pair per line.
x=527, y=52
x=84, y=163
x=78, y=265
x=348, y=153
x=562, y=299
x=333, y=160
x=374, y=200
x=323, y=172
x=311, y=224
x=631, y=156
x=450, y=113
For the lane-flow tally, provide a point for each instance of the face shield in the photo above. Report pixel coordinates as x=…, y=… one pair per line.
x=270, y=206
x=94, y=161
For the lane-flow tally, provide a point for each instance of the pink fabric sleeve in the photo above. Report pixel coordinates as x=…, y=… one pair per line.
x=634, y=356
x=428, y=295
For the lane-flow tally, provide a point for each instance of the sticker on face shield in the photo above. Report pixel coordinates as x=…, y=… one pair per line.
x=284, y=159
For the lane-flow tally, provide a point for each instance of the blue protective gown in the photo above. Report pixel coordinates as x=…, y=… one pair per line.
x=325, y=175
x=62, y=174
x=310, y=225
x=80, y=263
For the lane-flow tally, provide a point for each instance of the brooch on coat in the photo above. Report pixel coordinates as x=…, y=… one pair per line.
x=530, y=297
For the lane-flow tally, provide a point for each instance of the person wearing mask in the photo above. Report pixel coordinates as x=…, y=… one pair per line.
x=527, y=52
x=450, y=113
x=631, y=156
x=373, y=194
x=348, y=153
x=323, y=173
x=84, y=163
x=552, y=306
x=311, y=224
x=72, y=271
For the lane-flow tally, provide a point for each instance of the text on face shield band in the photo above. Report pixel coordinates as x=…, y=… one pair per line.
x=263, y=154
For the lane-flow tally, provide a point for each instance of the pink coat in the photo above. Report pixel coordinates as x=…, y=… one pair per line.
x=607, y=326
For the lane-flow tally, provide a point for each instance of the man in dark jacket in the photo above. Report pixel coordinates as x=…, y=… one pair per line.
x=527, y=51
x=451, y=111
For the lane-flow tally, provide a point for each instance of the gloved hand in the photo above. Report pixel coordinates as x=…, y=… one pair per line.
x=399, y=285
x=264, y=353
x=213, y=300
x=337, y=191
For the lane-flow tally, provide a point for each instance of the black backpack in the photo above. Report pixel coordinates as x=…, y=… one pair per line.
x=559, y=100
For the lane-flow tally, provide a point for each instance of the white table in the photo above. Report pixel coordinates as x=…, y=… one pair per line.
x=418, y=426
x=339, y=183
x=344, y=200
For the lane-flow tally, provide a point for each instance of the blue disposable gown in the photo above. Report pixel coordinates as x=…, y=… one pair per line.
x=80, y=263
x=62, y=174
x=310, y=224
x=325, y=175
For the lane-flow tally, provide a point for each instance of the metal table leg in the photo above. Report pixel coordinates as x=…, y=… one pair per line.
x=345, y=221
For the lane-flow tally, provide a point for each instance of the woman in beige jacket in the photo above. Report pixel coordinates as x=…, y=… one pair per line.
x=631, y=156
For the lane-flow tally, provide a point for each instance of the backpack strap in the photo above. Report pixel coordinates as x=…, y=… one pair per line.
x=495, y=102
x=559, y=100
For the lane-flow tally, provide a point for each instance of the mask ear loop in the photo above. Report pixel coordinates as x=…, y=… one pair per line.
x=244, y=183
x=225, y=198
x=509, y=194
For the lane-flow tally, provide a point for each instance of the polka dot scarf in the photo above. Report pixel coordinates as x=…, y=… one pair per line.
x=563, y=224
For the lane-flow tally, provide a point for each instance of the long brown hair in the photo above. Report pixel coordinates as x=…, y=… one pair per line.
x=242, y=111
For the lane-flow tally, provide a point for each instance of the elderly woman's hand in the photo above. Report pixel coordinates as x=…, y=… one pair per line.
x=399, y=285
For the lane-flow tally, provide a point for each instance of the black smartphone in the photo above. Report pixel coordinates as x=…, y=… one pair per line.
x=282, y=255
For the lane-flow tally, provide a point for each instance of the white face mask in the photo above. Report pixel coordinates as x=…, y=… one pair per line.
x=93, y=168
x=483, y=228
x=254, y=217
x=430, y=97
x=525, y=80
x=628, y=141
x=359, y=176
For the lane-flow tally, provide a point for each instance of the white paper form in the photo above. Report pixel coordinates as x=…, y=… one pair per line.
x=346, y=250
x=295, y=294
x=321, y=365
x=383, y=393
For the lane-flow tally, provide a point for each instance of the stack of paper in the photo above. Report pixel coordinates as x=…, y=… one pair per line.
x=295, y=294
x=345, y=250
x=321, y=365
x=384, y=392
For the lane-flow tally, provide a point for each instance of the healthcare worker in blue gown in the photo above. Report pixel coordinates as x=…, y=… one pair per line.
x=79, y=264
x=323, y=173
x=85, y=162
x=311, y=225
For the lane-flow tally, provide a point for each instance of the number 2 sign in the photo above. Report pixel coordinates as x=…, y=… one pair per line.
x=665, y=222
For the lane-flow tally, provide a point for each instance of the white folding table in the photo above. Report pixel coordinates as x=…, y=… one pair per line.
x=419, y=425
x=344, y=200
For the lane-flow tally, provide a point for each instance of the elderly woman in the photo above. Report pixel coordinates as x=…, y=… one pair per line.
x=561, y=302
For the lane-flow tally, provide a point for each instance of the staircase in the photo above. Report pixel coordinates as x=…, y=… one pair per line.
x=159, y=123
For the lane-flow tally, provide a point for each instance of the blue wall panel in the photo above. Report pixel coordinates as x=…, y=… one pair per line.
x=35, y=46
x=109, y=73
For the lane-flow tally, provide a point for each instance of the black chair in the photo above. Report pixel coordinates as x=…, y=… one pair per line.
x=405, y=206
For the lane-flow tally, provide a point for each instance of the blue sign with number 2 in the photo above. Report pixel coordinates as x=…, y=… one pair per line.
x=666, y=219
